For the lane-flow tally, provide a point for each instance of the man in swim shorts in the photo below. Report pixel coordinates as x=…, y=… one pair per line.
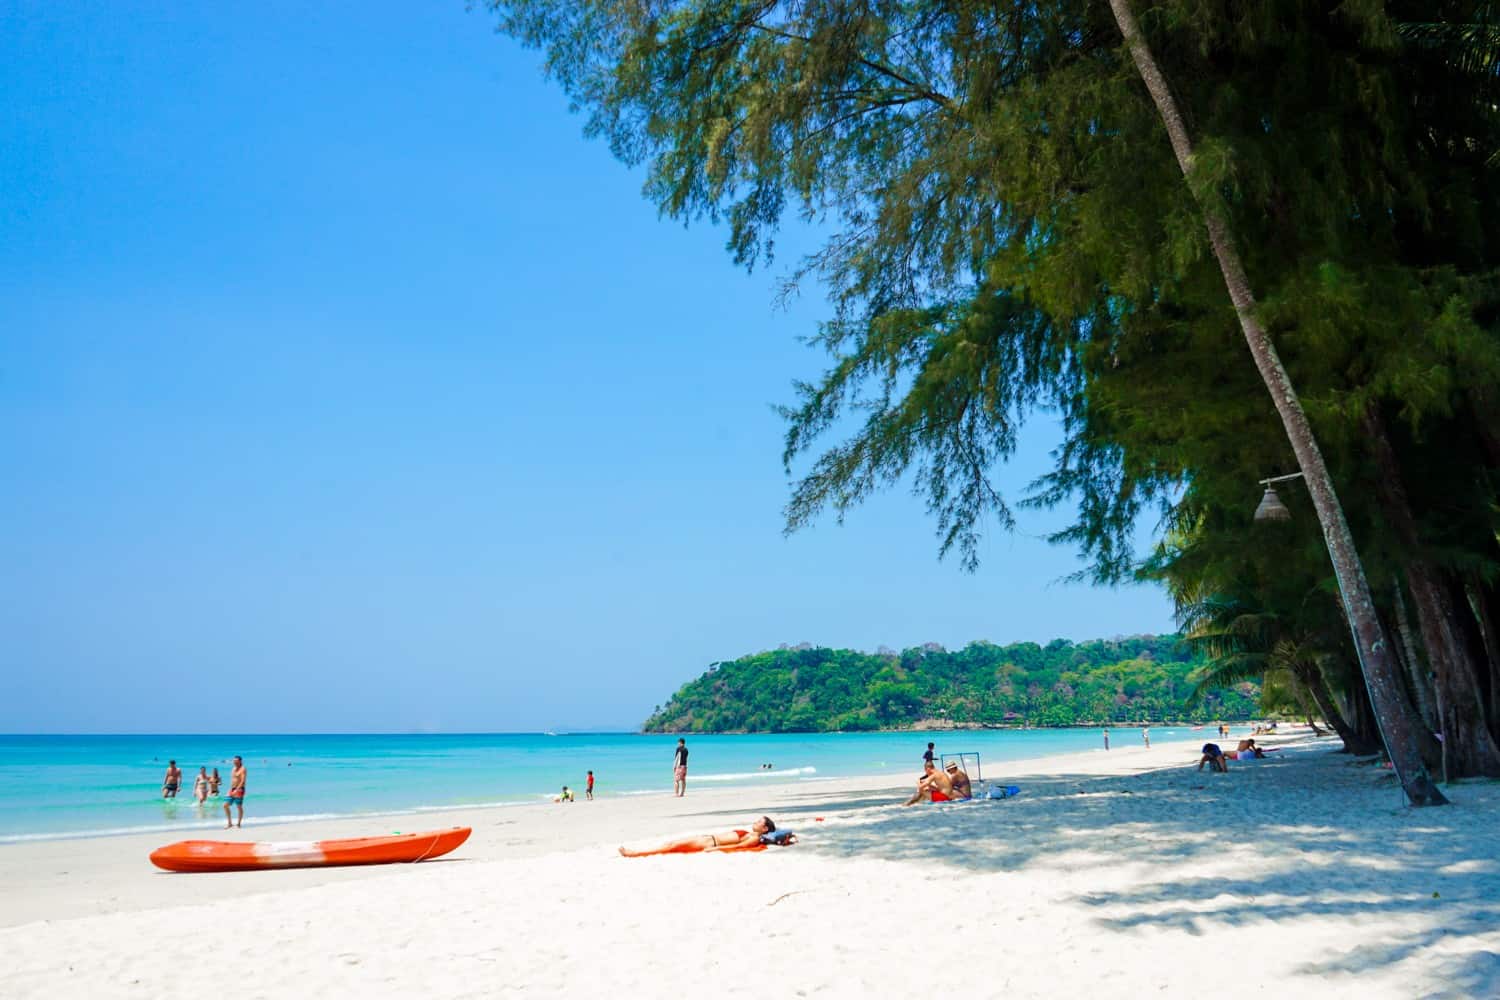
x=1214, y=758
x=679, y=769
x=932, y=786
x=236, y=794
x=171, y=781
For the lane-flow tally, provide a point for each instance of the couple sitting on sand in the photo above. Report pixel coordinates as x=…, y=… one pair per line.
x=948, y=785
x=761, y=833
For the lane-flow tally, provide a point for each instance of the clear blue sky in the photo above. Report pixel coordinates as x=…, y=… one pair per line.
x=345, y=386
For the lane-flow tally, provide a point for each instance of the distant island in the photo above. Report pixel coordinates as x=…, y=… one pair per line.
x=807, y=689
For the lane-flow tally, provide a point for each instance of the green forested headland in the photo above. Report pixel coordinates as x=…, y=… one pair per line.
x=815, y=689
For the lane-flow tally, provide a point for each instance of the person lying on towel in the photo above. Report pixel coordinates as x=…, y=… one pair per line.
x=1247, y=748
x=761, y=833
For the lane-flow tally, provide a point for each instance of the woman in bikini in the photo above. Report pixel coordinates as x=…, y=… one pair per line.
x=729, y=840
x=200, y=786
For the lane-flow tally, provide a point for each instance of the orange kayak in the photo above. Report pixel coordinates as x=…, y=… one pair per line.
x=231, y=856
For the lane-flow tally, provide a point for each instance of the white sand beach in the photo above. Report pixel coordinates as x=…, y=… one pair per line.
x=1125, y=873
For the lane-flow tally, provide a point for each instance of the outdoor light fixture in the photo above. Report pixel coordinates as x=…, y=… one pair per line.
x=1271, y=508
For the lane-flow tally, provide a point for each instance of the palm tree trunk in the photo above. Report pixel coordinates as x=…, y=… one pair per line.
x=1421, y=683
x=1376, y=663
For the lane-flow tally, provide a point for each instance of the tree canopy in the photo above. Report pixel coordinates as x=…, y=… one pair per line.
x=1008, y=234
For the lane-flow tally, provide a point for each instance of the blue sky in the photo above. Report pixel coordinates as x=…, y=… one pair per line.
x=345, y=386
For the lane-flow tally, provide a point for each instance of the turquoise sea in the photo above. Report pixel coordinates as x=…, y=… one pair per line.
x=63, y=786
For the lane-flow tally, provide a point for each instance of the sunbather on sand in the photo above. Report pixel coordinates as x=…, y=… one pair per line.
x=932, y=786
x=729, y=840
x=1247, y=747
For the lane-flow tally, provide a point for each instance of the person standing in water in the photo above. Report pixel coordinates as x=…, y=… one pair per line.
x=236, y=793
x=171, y=781
x=679, y=769
x=1146, y=736
x=1106, y=737
x=929, y=757
x=588, y=789
x=213, y=783
x=200, y=786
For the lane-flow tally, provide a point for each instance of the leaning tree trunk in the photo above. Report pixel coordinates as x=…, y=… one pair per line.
x=1421, y=682
x=1468, y=724
x=1449, y=631
x=1376, y=663
x=1312, y=680
x=1480, y=600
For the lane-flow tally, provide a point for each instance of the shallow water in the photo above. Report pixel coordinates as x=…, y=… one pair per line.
x=53, y=786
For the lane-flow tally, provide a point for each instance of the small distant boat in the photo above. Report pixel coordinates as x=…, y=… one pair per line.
x=236, y=856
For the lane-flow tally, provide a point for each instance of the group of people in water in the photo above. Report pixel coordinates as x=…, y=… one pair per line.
x=206, y=785
x=203, y=786
x=1145, y=737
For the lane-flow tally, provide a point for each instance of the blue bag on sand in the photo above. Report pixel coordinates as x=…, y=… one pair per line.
x=779, y=838
x=1002, y=791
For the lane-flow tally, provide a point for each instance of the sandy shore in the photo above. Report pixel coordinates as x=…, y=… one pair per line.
x=1128, y=871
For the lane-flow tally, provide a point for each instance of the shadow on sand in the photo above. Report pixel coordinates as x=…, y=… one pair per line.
x=1373, y=855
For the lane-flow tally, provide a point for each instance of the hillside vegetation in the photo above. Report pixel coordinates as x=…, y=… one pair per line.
x=813, y=689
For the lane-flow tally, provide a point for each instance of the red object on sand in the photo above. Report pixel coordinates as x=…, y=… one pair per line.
x=695, y=849
x=237, y=856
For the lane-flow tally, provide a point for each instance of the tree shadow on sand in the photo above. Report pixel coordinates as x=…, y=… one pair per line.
x=1434, y=869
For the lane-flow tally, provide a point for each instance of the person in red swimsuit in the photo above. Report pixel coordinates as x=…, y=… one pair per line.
x=588, y=789
x=729, y=840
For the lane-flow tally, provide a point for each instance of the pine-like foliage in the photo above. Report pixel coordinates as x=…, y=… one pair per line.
x=1008, y=232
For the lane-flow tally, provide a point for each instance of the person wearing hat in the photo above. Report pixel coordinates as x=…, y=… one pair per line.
x=960, y=781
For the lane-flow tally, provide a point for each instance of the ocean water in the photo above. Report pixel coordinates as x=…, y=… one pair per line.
x=63, y=786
